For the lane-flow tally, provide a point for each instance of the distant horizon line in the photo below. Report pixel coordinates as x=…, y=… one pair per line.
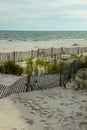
x=41, y=30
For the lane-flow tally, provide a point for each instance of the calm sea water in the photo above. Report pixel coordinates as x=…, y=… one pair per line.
x=14, y=36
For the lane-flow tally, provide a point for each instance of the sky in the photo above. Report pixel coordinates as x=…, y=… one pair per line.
x=54, y=15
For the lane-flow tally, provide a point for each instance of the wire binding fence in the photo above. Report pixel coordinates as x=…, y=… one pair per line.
x=31, y=83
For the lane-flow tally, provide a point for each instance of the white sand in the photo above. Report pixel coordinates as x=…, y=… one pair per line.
x=53, y=109
x=10, y=118
x=26, y=46
x=8, y=79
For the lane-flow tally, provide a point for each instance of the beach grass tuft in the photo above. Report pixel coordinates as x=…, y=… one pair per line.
x=11, y=67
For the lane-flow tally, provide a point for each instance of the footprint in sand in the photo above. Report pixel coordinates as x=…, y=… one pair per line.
x=84, y=101
x=51, y=97
x=44, y=102
x=14, y=129
x=30, y=121
x=48, y=128
x=83, y=108
x=43, y=120
x=83, y=125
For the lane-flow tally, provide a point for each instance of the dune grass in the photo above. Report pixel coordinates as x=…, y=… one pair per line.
x=11, y=67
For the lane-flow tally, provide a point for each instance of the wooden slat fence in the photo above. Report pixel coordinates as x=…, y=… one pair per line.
x=36, y=83
x=31, y=83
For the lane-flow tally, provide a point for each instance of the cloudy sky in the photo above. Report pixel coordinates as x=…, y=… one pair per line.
x=43, y=14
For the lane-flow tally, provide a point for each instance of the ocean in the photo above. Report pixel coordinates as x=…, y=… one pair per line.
x=35, y=36
x=30, y=40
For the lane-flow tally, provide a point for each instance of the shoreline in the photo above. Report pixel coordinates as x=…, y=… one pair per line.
x=23, y=50
x=23, y=46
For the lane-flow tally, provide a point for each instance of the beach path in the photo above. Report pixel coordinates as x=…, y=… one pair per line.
x=10, y=118
x=52, y=109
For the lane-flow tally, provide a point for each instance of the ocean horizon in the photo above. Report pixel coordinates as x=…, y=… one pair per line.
x=35, y=36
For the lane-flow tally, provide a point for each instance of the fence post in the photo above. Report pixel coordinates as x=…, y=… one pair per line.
x=78, y=63
x=74, y=66
x=86, y=60
x=60, y=77
x=28, y=82
x=51, y=52
x=14, y=55
x=38, y=52
x=55, y=57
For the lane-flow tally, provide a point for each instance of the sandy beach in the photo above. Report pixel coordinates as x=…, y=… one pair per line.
x=27, y=46
x=52, y=109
